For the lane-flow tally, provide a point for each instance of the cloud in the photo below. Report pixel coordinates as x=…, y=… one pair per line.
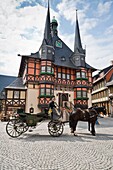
x=103, y=8
x=21, y=32
x=22, y=29
x=109, y=30
x=67, y=9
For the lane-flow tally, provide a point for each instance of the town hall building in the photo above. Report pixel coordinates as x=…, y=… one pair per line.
x=54, y=70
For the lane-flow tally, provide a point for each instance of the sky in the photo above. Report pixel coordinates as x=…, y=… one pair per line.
x=22, y=25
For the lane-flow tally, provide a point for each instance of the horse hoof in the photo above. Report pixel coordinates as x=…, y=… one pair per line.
x=75, y=134
x=72, y=131
x=93, y=134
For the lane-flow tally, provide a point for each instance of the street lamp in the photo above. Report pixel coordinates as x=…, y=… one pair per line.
x=111, y=103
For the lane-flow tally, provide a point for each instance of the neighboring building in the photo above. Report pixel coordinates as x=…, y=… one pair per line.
x=4, y=81
x=55, y=70
x=102, y=88
x=110, y=91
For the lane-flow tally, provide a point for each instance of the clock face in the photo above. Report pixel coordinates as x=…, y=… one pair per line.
x=58, y=44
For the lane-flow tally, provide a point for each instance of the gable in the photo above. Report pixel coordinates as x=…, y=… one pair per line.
x=109, y=74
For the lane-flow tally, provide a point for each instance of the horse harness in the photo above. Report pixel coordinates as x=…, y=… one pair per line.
x=87, y=112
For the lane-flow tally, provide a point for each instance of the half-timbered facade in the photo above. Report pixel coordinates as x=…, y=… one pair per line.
x=102, y=88
x=55, y=70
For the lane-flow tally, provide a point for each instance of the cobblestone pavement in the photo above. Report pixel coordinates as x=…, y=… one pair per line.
x=37, y=150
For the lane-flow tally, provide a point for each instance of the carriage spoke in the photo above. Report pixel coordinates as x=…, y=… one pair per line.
x=55, y=128
x=12, y=128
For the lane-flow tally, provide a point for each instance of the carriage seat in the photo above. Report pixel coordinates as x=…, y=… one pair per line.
x=43, y=114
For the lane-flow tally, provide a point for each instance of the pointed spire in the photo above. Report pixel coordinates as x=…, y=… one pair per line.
x=77, y=44
x=47, y=31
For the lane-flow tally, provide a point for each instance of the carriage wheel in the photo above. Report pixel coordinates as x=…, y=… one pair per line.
x=15, y=128
x=55, y=128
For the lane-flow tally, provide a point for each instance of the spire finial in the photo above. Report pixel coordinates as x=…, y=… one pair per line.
x=77, y=44
x=47, y=31
x=76, y=14
x=48, y=3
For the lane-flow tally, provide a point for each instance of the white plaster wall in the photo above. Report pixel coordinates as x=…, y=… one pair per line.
x=89, y=101
x=32, y=100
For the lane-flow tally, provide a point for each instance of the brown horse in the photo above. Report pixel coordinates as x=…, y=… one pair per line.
x=89, y=115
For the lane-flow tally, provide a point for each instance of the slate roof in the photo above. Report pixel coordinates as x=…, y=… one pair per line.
x=105, y=70
x=62, y=55
x=16, y=84
x=65, y=52
x=5, y=81
x=111, y=78
x=110, y=83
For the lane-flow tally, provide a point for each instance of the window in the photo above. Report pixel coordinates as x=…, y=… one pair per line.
x=47, y=91
x=78, y=75
x=52, y=91
x=83, y=74
x=43, y=51
x=68, y=76
x=52, y=70
x=9, y=94
x=22, y=95
x=43, y=69
x=79, y=94
x=63, y=75
x=84, y=94
x=42, y=92
x=49, y=51
x=63, y=58
x=16, y=94
x=48, y=69
x=59, y=75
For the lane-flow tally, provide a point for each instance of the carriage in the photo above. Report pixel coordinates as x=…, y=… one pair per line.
x=22, y=121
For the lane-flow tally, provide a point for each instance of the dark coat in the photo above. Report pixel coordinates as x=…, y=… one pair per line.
x=52, y=105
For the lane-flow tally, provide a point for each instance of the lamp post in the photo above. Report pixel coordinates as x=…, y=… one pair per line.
x=111, y=103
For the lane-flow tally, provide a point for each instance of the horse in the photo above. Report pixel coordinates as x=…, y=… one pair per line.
x=89, y=115
x=100, y=109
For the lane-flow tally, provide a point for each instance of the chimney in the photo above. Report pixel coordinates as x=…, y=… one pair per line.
x=112, y=62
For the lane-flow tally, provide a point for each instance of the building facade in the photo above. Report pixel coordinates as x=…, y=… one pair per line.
x=54, y=70
x=102, y=88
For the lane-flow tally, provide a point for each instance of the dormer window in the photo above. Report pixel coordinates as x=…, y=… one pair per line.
x=49, y=51
x=43, y=51
x=63, y=58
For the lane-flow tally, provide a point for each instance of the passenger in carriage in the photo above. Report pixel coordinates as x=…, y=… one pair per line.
x=52, y=106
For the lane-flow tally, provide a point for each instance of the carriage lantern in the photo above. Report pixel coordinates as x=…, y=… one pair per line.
x=111, y=103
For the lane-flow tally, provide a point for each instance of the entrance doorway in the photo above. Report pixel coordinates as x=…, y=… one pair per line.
x=63, y=97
